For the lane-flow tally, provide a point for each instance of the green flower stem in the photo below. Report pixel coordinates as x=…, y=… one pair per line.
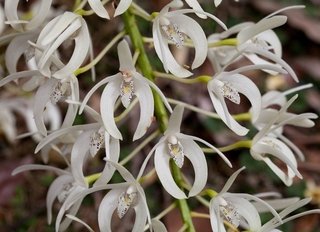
x=100, y=55
x=92, y=178
x=237, y=145
x=225, y=42
x=160, y=111
x=198, y=79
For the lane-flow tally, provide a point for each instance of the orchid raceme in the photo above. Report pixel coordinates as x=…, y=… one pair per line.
x=236, y=208
x=47, y=49
x=178, y=146
x=98, y=8
x=126, y=84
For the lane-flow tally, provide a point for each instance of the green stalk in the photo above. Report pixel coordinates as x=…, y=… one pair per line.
x=143, y=62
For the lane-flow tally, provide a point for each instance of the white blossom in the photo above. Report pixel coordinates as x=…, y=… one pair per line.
x=100, y=10
x=174, y=26
x=126, y=84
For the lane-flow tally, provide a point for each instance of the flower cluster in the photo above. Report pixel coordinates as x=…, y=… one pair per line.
x=52, y=81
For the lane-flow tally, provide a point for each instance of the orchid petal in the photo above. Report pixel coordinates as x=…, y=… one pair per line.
x=15, y=49
x=74, y=218
x=126, y=175
x=79, y=153
x=122, y=7
x=215, y=217
x=125, y=57
x=11, y=12
x=230, y=181
x=156, y=88
x=158, y=226
x=31, y=167
x=261, y=26
x=199, y=163
x=108, y=98
x=193, y=30
x=194, y=4
x=141, y=216
x=55, y=189
x=40, y=16
x=225, y=159
x=112, y=153
x=98, y=8
x=107, y=206
x=18, y=75
x=175, y=120
x=41, y=99
x=162, y=166
x=144, y=94
x=94, y=88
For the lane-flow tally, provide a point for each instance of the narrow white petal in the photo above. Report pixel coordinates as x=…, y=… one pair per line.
x=144, y=94
x=273, y=98
x=122, y=7
x=18, y=75
x=54, y=190
x=230, y=181
x=217, y=2
x=2, y=19
x=249, y=89
x=195, y=32
x=276, y=204
x=80, y=52
x=11, y=12
x=141, y=215
x=31, y=167
x=162, y=166
x=158, y=41
x=273, y=40
x=94, y=88
x=194, y=4
x=158, y=226
x=16, y=49
x=64, y=131
x=40, y=15
x=74, y=218
x=49, y=51
x=72, y=108
x=225, y=159
x=107, y=206
x=263, y=25
x=98, y=8
x=257, y=60
x=112, y=147
x=290, y=144
x=222, y=110
x=79, y=153
x=42, y=97
x=194, y=153
x=175, y=120
x=108, y=98
x=56, y=27
x=126, y=175
x=215, y=217
x=125, y=56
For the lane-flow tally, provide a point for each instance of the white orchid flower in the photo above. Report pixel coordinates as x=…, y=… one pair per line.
x=228, y=85
x=100, y=10
x=61, y=28
x=236, y=208
x=126, y=84
x=179, y=146
x=174, y=26
x=272, y=98
x=255, y=41
x=271, y=225
x=265, y=143
x=12, y=15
